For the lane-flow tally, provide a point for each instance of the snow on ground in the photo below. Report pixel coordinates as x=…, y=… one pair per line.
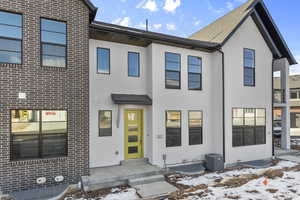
x=128, y=194
x=210, y=178
x=287, y=187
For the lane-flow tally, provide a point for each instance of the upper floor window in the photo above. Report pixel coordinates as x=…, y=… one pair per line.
x=10, y=38
x=53, y=43
x=105, y=123
x=295, y=93
x=133, y=64
x=248, y=127
x=173, y=128
x=173, y=67
x=103, y=61
x=195, y=73
x=38, y=134
x=249, y=67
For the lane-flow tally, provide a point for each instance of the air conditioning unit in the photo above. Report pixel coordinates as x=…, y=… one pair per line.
x=214, y=162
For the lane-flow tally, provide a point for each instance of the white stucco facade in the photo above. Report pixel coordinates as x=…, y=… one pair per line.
x=108, y=151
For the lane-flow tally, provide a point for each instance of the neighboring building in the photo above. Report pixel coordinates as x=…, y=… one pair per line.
x=294, y=103
x=120, y=93
x=43, y=91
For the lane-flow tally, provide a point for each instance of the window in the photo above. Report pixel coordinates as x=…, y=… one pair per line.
x=173, y=66
x=295, y=93
x=173, y=128
x=249, y=67
x=38, y=134
x=53, y=43
x=10, y=38
x=249, y=127
x=103, y=61
x=105, y=123
x=195, y=128
x=133, y=64
x=195, y=73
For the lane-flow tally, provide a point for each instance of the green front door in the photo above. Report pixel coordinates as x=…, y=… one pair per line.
x=133, y=134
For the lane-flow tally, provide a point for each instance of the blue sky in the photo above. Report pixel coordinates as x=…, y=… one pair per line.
x=184, y=17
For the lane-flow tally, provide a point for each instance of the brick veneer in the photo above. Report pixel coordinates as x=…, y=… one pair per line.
x=47, y=88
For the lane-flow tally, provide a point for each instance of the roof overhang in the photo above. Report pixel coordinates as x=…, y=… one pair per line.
x=132, y=36
x=132, y=99
x=92, y=8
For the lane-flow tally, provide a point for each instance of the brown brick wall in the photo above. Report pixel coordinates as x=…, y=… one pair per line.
x=47, y=88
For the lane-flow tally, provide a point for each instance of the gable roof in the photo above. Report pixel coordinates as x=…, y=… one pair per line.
x=223, y=28
x=92, y=8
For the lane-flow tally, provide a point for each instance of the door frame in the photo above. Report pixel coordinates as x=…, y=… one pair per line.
x=142, y=132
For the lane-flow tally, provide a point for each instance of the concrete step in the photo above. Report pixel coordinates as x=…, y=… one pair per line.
x=135, y=161
x=95, y=182
x=146, y=180
x=155, y=190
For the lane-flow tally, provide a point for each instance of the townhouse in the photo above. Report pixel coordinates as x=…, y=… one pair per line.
x=79, y=94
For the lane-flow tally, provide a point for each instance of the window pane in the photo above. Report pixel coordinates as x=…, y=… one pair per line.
x=54, y=50
x=194, y=81
x=195, y=68
x=10, y=31
x=173, y=129
x=192, y=60
x=103, y=57
x=133, y=64
x=55, y=38
x=105, y=122
x=54, y=145
x=248, y=76
x=10, y=45
x=172, y=79
x=172, y=57
x=10, y=57
x=55, y=26
x=260, y=133
x=249, y=117
x=132, y=150
x=10, y=18
x=293, y=95
x=249, y=58
x=173, y=66
x=25, y=146
x=53, y=61
x=54, y=121
x=249, y=137
x=238, y=112
x=237, y=136
x=238, y=121
x=25, y=122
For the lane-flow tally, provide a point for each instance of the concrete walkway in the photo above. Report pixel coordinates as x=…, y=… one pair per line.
x=293, y=158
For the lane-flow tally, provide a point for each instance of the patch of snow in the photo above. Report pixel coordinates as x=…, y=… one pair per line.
x=128, y=194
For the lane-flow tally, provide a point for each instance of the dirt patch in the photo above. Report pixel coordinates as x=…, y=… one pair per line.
x=272, y=190
x=272, y=174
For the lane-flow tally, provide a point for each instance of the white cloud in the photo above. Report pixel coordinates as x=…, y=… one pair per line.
x=295, y=69
x=126, y=21
x=157, y=26
x=213, y=9
x=197, y=22
x=229, y=5
x=171, y=27
x=148, y=5
x=171, y=5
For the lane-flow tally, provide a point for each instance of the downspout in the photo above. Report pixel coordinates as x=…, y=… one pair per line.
x=223, y=102
x=273, y=146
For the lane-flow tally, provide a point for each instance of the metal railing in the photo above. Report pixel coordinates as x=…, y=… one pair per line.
x=279, y=96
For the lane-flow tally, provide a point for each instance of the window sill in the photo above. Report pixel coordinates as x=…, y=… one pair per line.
x=54, y=68
x=10, y=65
x=38, y=161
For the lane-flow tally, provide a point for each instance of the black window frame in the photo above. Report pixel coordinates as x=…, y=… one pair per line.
x=40, y=135
x=15, y=39
x=193, y=73
x=247, y=67
x=201, y=134
x=166, y=128
x=109, y=61
x=53, y=44
x=166, y=70
x=255, y=126
x=139, y=64
x=99, y=127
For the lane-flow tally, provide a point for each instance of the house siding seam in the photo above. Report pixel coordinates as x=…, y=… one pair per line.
x=47, y=88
